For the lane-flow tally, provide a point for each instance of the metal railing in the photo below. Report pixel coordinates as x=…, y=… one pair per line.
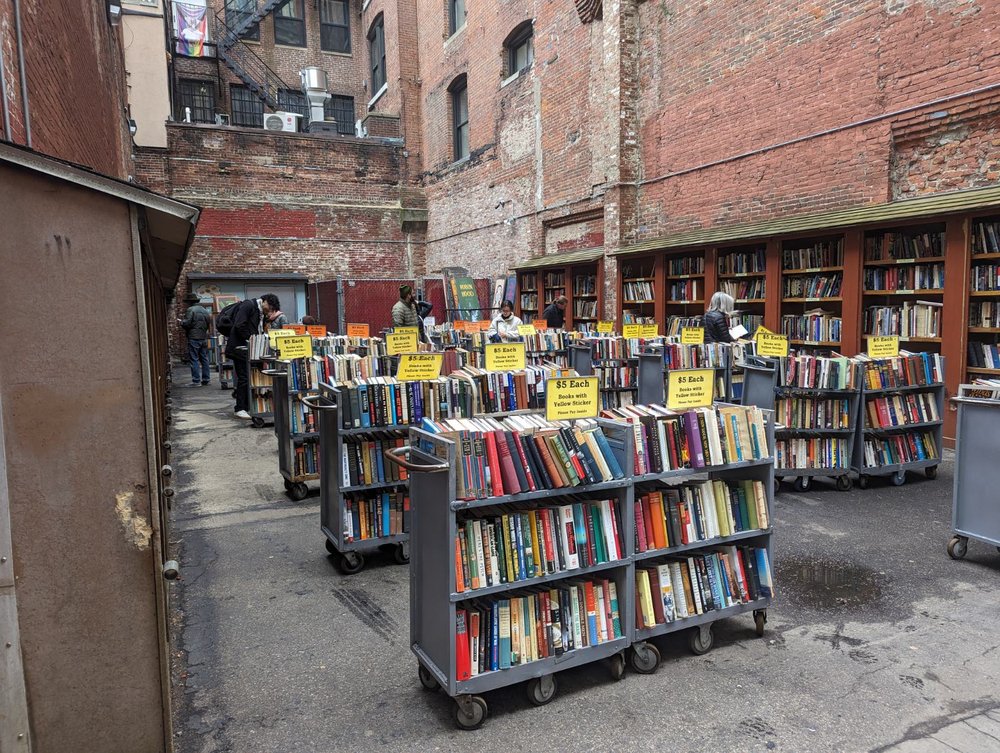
x=240, y=15
x=259, y=77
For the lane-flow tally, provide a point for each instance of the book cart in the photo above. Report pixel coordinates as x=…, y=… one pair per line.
x=896, y=472
x=285, y=400
x=975, y=511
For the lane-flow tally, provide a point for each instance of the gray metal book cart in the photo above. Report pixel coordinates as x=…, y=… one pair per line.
x=975, y=512
x=896, y=472
x=261, y=389
x=434, y=601
x=286, y=404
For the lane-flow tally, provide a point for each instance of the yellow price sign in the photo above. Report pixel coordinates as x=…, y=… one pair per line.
x=693, y=335
x=770, y=344
x=526, y=330
x=357, y=330
x=401, y=342
x=405, y=330
x=299, y=346
x=649, y=330
x=572, y=397
x=631, y=330
x=274, y=334
x=883, y=346
x=417, y=367
x=690, y=388
x=505, y=357
x=605, y=327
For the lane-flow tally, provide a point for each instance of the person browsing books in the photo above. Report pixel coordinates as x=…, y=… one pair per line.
x=196, y=323
x=277, y=320
x=404, y=311
x=717, y=318
x=504, y=326
x=247, y=319
x=555, y=313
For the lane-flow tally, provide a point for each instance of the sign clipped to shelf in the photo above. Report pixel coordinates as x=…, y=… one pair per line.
x=649, y=330
x=316, y=330
x=482, y=325
x=416, y=367
x=883, y=346
x=540, y=324
x=690, y=388
x=357, y=330
x=631, y=330
x=298, y=329
x=571, y=397
x=505, y=357
x=401, y=342
x=297, y=346
x=693, y=335
x=604, y=327
x=770, y=344
x=525, y=330
x=274, y=334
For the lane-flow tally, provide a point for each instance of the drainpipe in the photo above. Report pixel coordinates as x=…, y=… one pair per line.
x=3, y=97
x=24, y=77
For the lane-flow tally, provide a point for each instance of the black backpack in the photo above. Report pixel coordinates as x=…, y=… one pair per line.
x=225, y=319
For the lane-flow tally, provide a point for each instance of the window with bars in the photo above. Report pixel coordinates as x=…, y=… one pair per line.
x=334, y=26
x=459, y=91
x=520, y=49
x=290, y=23
x=456, y=15
x=376, y=54
x=199, y=96
x=341, y=109
x=237, y=13
x=248, y=110
x=290, y=100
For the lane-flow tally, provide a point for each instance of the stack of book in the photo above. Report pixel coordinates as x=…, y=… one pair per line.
x=984, y=314
x=303, y=419
x=813, y=326
x=637, y=291
x=900, y=410
x=906, y=370
x=259, y=347
x=817, y=372
x=812, y=413
x=374, y=516
x=363, y=460
x=900, y=448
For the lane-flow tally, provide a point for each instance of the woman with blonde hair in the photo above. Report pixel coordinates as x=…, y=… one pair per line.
x=717, y=318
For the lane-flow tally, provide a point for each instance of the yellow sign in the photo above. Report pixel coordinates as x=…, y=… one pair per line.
x=299, y=346
x=690, y=388
x=505, y=357
x=649, y=330
x=405, y=330
x=316, y=330
x=631, y=330
x=416, y=367
x=401, y=342
x=693, y=335
x=770, y=344
x=605, y=327
x=883, y=346
x=540, y=324
x=357, y=330
x=763, y=329
x=525, y=330
x=573, y=397
x=274, y=334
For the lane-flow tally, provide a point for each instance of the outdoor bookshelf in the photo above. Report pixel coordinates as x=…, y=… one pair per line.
x=742, y=273
x=812, y=279
x=983, y=333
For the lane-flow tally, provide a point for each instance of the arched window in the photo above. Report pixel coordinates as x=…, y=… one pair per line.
x=459, y=93
x=376, y=53
x=519, y=49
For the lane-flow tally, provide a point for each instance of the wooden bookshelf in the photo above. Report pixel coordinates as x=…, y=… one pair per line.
x=812, y=272
x=527, y=296
x=982, y=347
x=578, y=276
x=637, y=299
x=742, y=272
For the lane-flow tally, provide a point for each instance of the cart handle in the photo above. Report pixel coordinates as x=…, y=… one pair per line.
x=306, y=399
x=396, y=454
x=274, y=372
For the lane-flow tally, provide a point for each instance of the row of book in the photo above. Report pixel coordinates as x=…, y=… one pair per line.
x=302, y=419
x=706, y=356
x=259, y=379
x=632, y=316
x=984, y=277
x=610, y=399
x=812, y=327
x=515, y=545
x=261, y=403
x=685, y=265
x=905, y=370
x=529, y=281
x=893, y=246
x=552, y=293
x=742, y=262
x=604, y=347
x=585, y=308
x=900, y=410
x=919, y=319
x=612, y=376
x=548, y=341
x=820, y=254
x=910, y=447
x=375, y=516
x=909, y=278
x=813, y=286
x=702, y=511
x=983, y=355
x=555, y=279
x=812, y=413
x=674, y=324
x=814, y=452
x=499, y=391
x=339, y=345
x=259, y=347
x=750, y=288
x=984, y=314
x=750, y=322
x=685, y=290
x=385, y=401
x=499, y=633
x=817, y=372
x=363, y=460
x=986, y=237
x=683, y=587
x=306, y=461
x=637, y=291
x=667, y=440
x=585, y=285
x=529, y=304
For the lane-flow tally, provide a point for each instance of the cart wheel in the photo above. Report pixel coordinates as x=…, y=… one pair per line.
x=759, y=620
x=470, y=711
x=288, y=485
x=844, y=483
x=863, y=481
x=542, y=689
x=617, y=665
x=298, y=492
x=777, y=485
x=899, y=478
x=350, y=563
x=701, y=640
x=258, y=423
x=644, y=658
x=801, y=483
x=426, y=678
x=958, y=546
x=931, y=472
x=401, y=553
x=330, y=547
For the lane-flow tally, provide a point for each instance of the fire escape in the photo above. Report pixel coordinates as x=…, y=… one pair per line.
x=236, y=19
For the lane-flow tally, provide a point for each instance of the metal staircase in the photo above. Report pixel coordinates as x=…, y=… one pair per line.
x=238, y=57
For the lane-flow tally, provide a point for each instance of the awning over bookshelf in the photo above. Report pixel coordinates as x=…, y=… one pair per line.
x=553, y=260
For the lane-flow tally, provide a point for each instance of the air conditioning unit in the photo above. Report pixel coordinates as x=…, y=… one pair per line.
x=282, y=121
x=222, y=118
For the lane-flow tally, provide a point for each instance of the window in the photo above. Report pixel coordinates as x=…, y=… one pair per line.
x=248, y=110
x=290, y=100
x=334, y=26
x=460, y=117
x=199, y=96
x=456, y=15
x=376, y=54
x=341, y=109
x=519, y=49
x=238, y=12
x=290, y=23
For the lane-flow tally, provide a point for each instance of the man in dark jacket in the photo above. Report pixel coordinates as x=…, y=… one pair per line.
x=196, y=323
x=555, y=313
x=247, y=320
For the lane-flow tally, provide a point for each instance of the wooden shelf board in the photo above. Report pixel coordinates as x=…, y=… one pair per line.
x=585, y=295
x=917, y=339
x=686, y=277
x=894, y=262
x=818, y=343
x=983, y=293
x=832, y=299
x=751, y=300
x=632, y=302
x=983, y=257
x=734, y=275
x=811, y=270
x=683, y=303
x=985, y=330
x=981, y=370
x=918, y=291
x=638, y=279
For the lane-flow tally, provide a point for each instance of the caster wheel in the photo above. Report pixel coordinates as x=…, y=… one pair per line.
x=644, y=658
x=617, y=665
x=350, y=563
x=258, y=423
x=899, y=478
x=931, y=472
x=288, y=485
x=541, y=690
x=330, y=547
x=958, y=546
x=777, y=486
x=426, y=678
x=298, y=492
x=759, y=620
x=844, y=483
x=801, y=483
x=863, y=482
x=471, y=713
x=701, y=640
x=401, y=553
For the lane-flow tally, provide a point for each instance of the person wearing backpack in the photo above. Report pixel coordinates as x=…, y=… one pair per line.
x=238, y=321
x=196, y=323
